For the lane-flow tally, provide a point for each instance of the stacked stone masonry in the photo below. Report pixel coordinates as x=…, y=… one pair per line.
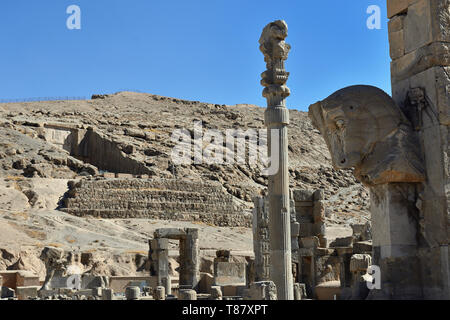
x=419, y=35
x=156, y=199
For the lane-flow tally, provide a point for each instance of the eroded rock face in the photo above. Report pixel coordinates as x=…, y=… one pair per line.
x=364, y=129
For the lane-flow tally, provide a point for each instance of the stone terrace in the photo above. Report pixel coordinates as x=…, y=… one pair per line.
x=179, y=200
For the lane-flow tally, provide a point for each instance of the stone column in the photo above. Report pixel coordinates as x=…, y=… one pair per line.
x=261, y=244
x=159, y=256
x=189, y=259
x=419, y=40
x=275, y=51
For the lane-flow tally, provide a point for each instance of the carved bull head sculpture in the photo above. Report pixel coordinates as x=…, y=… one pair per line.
x=364, y=129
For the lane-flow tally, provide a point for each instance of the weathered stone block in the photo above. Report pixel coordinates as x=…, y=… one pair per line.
x=396, y=44
x=216, y=293
x=342, y=242
x=395, y=7
x=330, y=290
x=362, y=247
x=159, y=293
x=295, y=229
x=263, y=290
x=309, y=242
x=396, y=23
x=427, y=21
x=7, y=293
x=319, y=194
x=25, y=293
x=132, y=293
x=107, y=294
x=319, y=211
x=299, y=291
x=306, y=230
x=187, y=294
x=417, y=61
x=360, y=262
x=303, y=195
x=229, y=273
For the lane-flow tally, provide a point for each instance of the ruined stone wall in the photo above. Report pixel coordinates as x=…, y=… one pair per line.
x=105, y=155
x=419, y=36
x=157, y=199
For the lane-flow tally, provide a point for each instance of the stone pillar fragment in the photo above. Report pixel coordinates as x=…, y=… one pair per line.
x=159, y=293
x=216, y=293
x=159, y=257
x=275, y=51
x=132, y=293
x=187, y=294
x=189, y=266
x=261, y=240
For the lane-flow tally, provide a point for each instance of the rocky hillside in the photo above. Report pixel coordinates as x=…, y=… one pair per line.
x=139, y=127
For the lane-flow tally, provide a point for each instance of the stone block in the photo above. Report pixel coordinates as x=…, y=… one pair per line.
x=330, y=290
x=396, y=24
x=7, y=293
x=303, y=195
x=306, y=230
x=47, y=293
x=97, y=292
x=229, y=273
x=187, y=294
x=124, y=176
x=216, y=293
x=170, y=233
x=1, y=281
x=309, y=242
x=263, y=290
x=432, y=55
x=319, y=211
x=342, y=242
x=159, y=244
x=362, y=247
x=396, y=44
x=360, y=262
x=9, y=278
x=319, y=194
x=299, y=291
x=109, y=175
x=319, y=228
x=427, y=21
x=295, y=229
x=120, y=283
x=395, y=7
x=159, y=293
x=25, y=293
x=205, y=283
x=132, y=293
x=107, y=294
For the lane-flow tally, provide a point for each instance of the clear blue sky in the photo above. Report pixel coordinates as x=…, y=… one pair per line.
x=203, y=50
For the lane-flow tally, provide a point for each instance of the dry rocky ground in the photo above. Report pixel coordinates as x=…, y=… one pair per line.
x=34, y=175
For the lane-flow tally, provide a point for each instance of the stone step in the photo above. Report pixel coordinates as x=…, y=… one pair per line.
x=142, y=205
x=150, y=195
x=155, y=184
x=221, y=220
